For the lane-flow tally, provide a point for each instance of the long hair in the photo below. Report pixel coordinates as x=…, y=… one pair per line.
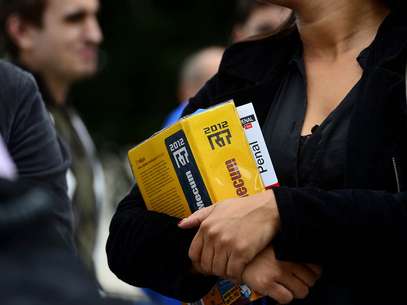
x=396, y=4
x=290, y=24
x=286, y=27
x=392, y=4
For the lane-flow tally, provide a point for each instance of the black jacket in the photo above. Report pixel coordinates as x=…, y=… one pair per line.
x=357, y=233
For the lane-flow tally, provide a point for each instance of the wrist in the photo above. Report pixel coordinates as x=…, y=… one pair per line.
x=272, y=208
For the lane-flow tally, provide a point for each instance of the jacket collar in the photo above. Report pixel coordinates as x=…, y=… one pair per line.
x=258, y=60
x=390, y=41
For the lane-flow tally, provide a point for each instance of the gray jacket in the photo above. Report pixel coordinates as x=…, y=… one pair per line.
x=32, y=142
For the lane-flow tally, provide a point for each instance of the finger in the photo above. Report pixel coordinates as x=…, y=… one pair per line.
x=297, y=287
x=195, y=219
x=220, y=261
x=305, y=274
x=196, y=268
x=279, y=293
x=207, y=257
x=196, y=248
x=315, y=268
x=235, y=267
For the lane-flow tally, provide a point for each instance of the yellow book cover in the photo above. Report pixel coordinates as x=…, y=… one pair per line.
x=202, y=159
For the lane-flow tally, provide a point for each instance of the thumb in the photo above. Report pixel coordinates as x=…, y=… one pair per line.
x=195, y=219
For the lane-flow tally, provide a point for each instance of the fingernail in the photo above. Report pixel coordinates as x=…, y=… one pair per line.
x=181, y=221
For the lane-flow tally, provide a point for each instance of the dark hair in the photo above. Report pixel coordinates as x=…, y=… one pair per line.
x=392, y=4
x=244, y=8
x=31, y=11
x=289, y=25
x=395, y=3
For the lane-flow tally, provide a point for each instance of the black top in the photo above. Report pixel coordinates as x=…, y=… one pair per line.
x=30, y=138
x=315, y=160
x=355, y=232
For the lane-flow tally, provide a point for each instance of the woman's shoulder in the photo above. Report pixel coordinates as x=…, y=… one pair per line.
x=244, y=64
x=15, y=84
x=390, y=44
x=249, y=58
x=11, y=76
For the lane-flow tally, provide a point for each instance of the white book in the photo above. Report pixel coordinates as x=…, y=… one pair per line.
x=258, y=145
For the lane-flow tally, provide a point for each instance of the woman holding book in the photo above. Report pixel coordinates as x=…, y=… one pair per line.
x=329, y=90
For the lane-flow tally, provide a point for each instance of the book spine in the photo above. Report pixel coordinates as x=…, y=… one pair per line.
x=257, y=145
x=187, y=171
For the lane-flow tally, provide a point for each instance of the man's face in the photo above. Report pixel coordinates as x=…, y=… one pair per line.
x=66, y=46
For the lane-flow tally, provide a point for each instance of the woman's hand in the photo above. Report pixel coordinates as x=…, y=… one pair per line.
x=282, y=281
x=231, y=233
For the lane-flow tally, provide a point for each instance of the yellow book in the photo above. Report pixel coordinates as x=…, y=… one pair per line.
x=200, y=160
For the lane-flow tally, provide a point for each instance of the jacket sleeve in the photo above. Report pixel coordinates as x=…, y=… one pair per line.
x=33, y=144
x=147, y=249
x=344, y=229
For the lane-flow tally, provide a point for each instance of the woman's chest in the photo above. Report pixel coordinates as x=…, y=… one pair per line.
x=374, y=151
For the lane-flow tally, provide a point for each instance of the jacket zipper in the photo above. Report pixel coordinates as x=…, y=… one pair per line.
x=396, y=174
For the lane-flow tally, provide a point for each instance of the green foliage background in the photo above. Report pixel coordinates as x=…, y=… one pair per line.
x=144, y=46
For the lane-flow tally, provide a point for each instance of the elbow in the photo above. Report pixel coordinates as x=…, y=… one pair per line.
x=115, y=261
x=121, y=266
x=191, y=288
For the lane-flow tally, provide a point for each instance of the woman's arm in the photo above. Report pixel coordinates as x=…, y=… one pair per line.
x=341, y=227
x=147, y=249
x=352, y=231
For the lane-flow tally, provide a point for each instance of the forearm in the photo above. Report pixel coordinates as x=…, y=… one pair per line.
x=147, y=249
x=345, y=227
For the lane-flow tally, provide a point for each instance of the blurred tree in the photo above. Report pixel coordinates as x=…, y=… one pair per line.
x=145, y=43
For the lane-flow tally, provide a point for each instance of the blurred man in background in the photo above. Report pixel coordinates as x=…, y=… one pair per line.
x=254, y=17
x=196, y=70
x=58, y=40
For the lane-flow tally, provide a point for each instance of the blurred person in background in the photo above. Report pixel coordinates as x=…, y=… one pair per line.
x=256, y=17
x=330, y=93
x=37, y=267
x=57, y=41
x=196, y=70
